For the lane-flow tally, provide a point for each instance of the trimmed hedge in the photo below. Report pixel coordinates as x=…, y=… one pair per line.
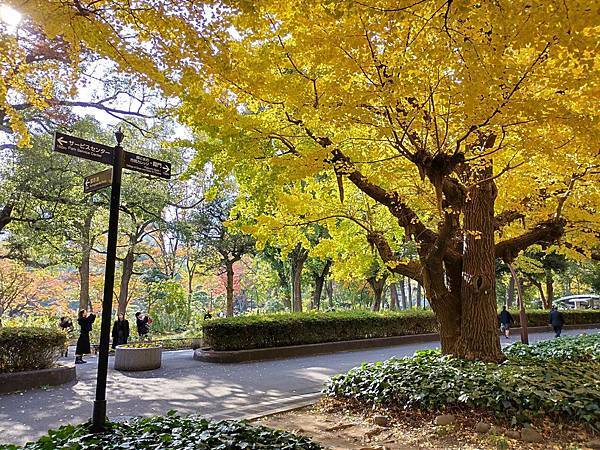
x=30, y=348
x=280, y=330
x=559, y=384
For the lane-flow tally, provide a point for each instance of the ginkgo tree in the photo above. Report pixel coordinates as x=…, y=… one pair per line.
x=474, y=124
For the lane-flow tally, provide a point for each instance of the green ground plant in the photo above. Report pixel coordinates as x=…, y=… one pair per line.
x=173, y=432
x=565, y=386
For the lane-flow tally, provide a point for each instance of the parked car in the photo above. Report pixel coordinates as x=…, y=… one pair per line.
x=581, y=301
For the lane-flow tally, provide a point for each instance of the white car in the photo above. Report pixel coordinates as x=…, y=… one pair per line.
x=582, y=301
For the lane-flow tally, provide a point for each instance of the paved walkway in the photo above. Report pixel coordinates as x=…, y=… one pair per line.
x=188, y=386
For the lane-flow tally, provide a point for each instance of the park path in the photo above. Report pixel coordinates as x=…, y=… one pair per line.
x=215, y=390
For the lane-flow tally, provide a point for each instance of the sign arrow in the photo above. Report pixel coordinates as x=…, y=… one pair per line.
x=74, y=146
x=150, y=166
x=97, y=181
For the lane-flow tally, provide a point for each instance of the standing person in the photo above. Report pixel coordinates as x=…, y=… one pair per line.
x=120, y=331
x=557, y=320
x=66, y=325
x=85, y=322
x=142, y=322
x=506, y=320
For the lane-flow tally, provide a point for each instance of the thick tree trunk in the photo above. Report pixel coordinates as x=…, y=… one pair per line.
x=510, y=293
x=403, y=293
x=393, y=297
x=229, y=288
x=479, y=337
x=126, y=273
x=549, y=289
x=284, y=283
x=297, y=259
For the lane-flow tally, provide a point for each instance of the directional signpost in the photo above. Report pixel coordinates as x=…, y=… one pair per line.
x=98, y=181
x=119, y=159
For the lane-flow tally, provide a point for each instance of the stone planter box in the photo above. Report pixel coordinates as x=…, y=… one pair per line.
x=20, y=381
x=133, y=359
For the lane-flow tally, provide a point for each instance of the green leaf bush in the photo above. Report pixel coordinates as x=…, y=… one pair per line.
x=584, y=347
x=171, y=432
x=279, y=330
x=29, y=348
x=519, y=389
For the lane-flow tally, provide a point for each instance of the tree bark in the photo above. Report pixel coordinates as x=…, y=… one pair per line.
x=126, y=273
x=409, y=290
x=479, y=331
x=419, y=297
x=393, y=297
x=229, y=288
x=297, y=258
x=549, y=289
x=540, y=288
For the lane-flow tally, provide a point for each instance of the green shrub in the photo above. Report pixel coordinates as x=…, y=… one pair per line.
x=519, y=389
x=29, y=348
x=276, y=330
x=173, y=432
x=585, y=347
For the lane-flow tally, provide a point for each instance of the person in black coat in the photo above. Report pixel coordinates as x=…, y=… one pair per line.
x=120, y=331
x=506, y=320
x=85, y=322
x=142, y=322
x=557, y=320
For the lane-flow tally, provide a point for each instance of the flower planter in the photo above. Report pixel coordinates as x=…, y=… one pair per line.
x=131, y=358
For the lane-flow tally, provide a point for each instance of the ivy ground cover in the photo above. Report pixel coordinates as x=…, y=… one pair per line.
x=557, y=378
x=171, y=432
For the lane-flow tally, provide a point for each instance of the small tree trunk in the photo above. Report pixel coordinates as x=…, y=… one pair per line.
x=409, y=290
x=84, y=278
x=403, y=293
x=298, y=258
x=393, y=297
x=319, y=282
x=510, y=293
x=126, y=273
x=479, y=337
x=329, y=289
x=419, y=296
x=377, y=286
x=229, y=288
x=549, y=289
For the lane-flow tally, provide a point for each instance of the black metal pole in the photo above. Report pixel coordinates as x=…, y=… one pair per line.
x=99, y=415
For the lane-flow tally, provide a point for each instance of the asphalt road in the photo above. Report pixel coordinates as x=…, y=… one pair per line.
x=188, y=386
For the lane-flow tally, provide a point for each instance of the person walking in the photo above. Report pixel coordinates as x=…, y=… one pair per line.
x=120, y=331
x=85, y=322
x=66, y=325
x=142, y=322
x=557, y=320
x=506, y=320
